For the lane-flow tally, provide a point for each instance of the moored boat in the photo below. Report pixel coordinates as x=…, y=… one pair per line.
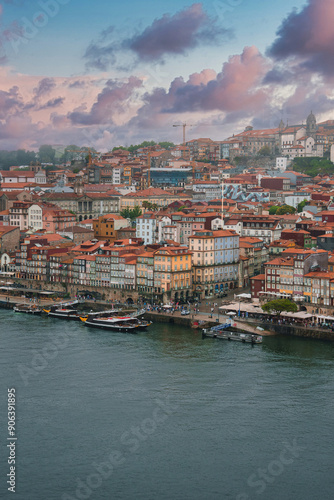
x=129, y=324
x=27, y=308
x=248, y=338
x=63, y=313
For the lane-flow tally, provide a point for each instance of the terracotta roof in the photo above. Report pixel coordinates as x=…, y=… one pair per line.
x=148, y=192
x=279, y=261
x=259, y=277
x=320, y=274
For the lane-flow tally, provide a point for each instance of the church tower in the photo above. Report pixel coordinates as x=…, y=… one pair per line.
x=79, y=185
x=311, y=125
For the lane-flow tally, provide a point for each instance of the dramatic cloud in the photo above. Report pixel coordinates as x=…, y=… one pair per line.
x=234, y=88
x=175, y=34
x=44, y=87
x=278, y=75
x=169, y=35
x=53, y=103
x=10, y=102
x=110, y=101
x=308, y=35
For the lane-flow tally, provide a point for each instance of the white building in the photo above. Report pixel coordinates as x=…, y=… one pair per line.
x=35, y=217
x=282, y=163
x=146, y=226
x=164, y=221
x=233, y=225
x=294, y=199
x=171, y=232
x=40, y=177
x=117, y=175
x=217, y=224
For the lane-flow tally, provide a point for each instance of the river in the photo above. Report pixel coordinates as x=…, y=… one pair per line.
x=164, y=415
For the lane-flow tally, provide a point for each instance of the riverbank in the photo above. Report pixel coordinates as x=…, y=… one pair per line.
x=198, y=320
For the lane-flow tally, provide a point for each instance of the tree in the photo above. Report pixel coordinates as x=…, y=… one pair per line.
x=301, y=205
x=16, y=158
x=285, y=209
x=313, y=166
x=273, y=209
x=144, y=144
x=279, y=305
x=264, y=151
x=131, y=214
x=147, y=205
x=46, y=154
x=166, y=145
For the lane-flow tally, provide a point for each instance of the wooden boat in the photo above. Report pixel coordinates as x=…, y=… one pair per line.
x=64, y=310
x=27, y=308
x=63, y=313
x=131, y=324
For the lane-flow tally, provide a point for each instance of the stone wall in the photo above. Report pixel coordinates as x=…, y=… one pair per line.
x=299, y=331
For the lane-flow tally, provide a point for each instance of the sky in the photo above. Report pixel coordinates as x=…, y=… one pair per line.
x=104, y=73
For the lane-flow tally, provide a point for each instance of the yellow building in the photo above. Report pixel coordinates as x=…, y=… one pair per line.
x=156, y=196
x=215, y=261
x=127, y=175
x=106, y=226
x=172, y=273
x=145, y=274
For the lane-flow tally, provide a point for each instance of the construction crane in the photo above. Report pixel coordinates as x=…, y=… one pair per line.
x=184, y=125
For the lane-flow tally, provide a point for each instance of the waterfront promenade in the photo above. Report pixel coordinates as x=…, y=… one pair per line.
x=203, y=315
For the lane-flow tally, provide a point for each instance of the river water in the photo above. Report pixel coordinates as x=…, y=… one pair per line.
x=164, y=414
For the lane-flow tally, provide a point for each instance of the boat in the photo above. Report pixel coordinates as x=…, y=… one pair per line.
x=63, y=312
x=27, y=308
x=131, y=324
x=248, y=338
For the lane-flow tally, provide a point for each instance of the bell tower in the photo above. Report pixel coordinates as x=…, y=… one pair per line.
x=311, y=125
x=78, y=186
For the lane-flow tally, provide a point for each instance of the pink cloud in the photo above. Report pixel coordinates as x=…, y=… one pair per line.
x=308, y=35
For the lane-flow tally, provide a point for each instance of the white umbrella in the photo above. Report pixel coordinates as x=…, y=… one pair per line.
x=231, y=313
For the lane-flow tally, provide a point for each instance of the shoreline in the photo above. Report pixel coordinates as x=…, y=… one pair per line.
x=197, y=320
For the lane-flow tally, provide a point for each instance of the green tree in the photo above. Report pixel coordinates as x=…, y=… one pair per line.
x=273, y=209
x=147, y=205
x=16, y=158
x=46, y=154
x=144, y=144
x=279, y=305
x=166, y=145
x=131, y=213
x=301, y=205
x=285, y=209
x=24, y=157
x=264, y=151
x=312, y=166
